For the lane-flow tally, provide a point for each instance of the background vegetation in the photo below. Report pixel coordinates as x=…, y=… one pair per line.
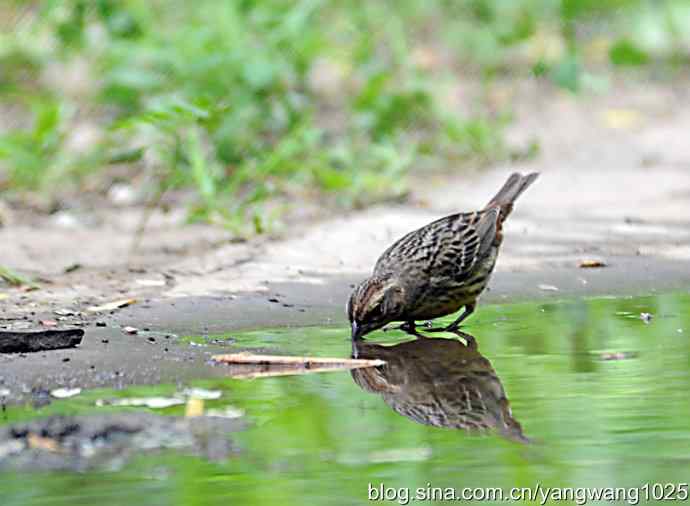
x=241, y=104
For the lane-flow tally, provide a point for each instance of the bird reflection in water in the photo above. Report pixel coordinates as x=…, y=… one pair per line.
x=439, y=382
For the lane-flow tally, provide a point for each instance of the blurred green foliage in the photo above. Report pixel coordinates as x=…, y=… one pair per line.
x=246, y=100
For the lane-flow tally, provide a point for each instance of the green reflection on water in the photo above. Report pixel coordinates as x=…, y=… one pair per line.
x=602, y=395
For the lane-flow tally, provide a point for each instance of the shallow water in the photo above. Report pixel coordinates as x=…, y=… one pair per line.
x=601, y=394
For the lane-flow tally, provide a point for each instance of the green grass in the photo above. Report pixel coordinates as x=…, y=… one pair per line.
x=13, y=278
x=246, y=103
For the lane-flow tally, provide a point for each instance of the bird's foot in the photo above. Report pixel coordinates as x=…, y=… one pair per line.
x=390, y=328
x=407, y=327
x=403, y=326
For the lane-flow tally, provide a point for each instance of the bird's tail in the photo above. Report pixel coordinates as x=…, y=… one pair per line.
x=510, y=191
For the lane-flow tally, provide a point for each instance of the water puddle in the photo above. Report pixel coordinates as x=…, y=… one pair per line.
x=576, y=393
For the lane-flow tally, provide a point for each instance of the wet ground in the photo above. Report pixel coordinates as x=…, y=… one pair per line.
x=109, y=356
x=598, y=386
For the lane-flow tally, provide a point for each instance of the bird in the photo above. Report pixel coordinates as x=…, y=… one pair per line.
x=435, y=270
x=439, y=382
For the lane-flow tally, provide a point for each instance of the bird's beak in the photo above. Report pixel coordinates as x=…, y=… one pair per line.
x=357, y=330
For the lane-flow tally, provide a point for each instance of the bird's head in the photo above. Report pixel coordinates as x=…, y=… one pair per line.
x=375, y=302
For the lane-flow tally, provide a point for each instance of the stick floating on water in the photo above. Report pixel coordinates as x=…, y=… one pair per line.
x=249, y=365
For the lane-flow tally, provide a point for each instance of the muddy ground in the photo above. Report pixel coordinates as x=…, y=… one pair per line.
x=614, y=187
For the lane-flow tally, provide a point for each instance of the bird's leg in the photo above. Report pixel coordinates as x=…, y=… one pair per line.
x=355, y=351
x=469, y=309
x=469, y=339
x=412, y=330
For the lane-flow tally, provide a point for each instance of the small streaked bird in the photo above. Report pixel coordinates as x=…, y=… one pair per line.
x=439, y=382
x=436, y=270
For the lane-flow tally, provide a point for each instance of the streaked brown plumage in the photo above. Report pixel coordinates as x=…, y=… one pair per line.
x=439, y=382
x=435, y=270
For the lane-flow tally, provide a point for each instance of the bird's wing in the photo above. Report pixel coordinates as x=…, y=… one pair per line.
x=449, y=246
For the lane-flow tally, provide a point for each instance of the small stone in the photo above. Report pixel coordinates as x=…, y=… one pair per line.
x=130, y=330
x=65, y=219
x=150, y=282
x=65, y=393
x=122, y=194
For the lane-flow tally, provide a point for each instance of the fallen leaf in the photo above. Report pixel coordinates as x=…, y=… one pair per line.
x=13, y=278
x=589, y=264
x=194, y=408
x=65, y=393
x=548, y=288
x=37, y=442
x=110, y=306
